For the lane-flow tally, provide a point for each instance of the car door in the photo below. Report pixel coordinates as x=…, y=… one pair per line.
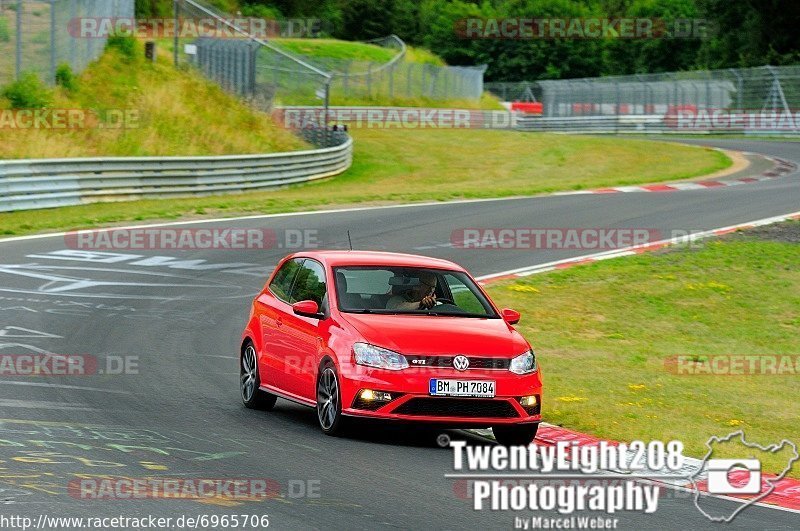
x=273, y=306
x=303, y=335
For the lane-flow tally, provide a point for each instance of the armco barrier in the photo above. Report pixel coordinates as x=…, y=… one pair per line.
x=30, y=184
x=680, y=121
x=594, y=124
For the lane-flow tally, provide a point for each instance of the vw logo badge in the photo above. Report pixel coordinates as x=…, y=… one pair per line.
x=461, y=363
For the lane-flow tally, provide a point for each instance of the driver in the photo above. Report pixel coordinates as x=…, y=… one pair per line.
x=419, y=297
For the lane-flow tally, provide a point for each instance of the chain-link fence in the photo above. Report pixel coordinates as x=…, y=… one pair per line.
x=244, y=64
x=750, y=89
x=270, y=75
x=39, y=35
x=363, y=81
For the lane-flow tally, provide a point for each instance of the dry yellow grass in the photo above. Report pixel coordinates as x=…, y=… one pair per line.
x=179, y=113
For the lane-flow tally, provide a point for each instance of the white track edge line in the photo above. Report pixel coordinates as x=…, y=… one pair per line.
x=625, y=251
x=309, y=212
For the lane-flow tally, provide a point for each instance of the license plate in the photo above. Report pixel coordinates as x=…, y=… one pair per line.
x=473, y=388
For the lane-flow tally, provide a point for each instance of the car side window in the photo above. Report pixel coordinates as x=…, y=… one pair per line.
x=309, y=284
x=281, y=285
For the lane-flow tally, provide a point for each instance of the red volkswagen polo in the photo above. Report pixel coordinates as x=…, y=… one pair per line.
x=390, y=336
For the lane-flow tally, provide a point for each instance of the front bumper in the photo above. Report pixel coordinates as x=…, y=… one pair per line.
x=411, y=400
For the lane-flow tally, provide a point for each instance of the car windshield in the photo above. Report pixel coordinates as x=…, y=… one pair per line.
x=409, y=290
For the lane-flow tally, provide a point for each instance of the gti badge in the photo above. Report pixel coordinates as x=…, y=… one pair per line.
x=461, y=363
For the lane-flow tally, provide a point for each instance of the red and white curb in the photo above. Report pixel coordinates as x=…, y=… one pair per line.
x=785, y=495
x=630, y=251
x=781, y=167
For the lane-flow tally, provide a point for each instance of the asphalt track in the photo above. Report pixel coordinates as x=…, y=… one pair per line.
x=181, y=417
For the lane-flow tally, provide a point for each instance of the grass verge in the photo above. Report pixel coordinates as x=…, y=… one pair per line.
x=393, y=166
x=174, y=113
x=605, y=334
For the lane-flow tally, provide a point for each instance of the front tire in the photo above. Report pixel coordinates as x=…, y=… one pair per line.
x=329, y=400
x=521, y=434
x=250, y=381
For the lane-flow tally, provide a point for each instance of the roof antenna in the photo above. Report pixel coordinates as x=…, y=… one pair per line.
x=349, y=240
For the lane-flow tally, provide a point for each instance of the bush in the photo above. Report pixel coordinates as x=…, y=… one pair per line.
x=66, y=78
x=28, y=92
x=126, y=44
x=261, y=11
x=5, y=33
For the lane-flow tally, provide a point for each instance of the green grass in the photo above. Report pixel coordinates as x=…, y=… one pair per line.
x=603, y=333
x=392, y=166
x=407, y=84
x=404, y=86
x=486, y=102
x=336, y=49
x=355, y=51
x=176, y=113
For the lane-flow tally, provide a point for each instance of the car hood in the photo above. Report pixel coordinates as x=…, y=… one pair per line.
x=439, y=335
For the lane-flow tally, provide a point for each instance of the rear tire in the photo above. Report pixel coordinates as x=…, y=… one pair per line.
x=521, y=434
x=329, y=400
x=250, y=381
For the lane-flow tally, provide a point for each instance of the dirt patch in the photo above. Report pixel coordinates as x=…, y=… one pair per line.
x=788, y=232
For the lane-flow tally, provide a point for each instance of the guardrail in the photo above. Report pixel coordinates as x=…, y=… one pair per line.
x=46, y=183
x=766, y=123
x=593, y=124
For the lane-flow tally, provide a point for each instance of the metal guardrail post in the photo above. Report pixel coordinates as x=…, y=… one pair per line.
x=73, y=15
x=739, y=87
x=391, y=81
x=53, y=41
x=176, y=42
x=18, y=67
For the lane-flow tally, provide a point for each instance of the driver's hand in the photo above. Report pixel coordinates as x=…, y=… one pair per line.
x=428, y=302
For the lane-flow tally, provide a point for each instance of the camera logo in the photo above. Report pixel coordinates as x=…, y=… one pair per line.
x=721, y=482
x=740, y=477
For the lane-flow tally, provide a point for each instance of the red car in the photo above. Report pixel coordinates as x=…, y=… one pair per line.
x=389, y=336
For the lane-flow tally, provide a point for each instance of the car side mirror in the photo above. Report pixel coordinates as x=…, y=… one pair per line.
x=307, y=309
x=510, y=316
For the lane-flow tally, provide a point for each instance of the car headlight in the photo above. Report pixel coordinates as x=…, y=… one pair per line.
x=372, y=356
x=524, y=363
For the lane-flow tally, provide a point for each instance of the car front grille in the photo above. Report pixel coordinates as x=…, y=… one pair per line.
x=475, y=362
x=457, y=407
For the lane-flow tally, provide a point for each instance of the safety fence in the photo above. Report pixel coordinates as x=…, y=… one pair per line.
x=243, y=63
x=761, y=88
x=40, y=35
x=763, y=100
x=30, y=184
x=267, y=73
